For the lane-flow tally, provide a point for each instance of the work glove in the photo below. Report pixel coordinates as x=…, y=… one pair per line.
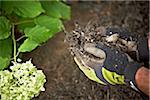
x=106, y=64
x=109, y=55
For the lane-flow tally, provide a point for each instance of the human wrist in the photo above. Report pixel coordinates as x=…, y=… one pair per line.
x=142, y=80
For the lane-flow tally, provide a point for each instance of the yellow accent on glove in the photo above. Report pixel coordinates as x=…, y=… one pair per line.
x=112, y=77
x=89, y=72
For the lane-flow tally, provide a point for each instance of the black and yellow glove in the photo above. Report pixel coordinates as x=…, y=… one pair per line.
x=110, y=67
x=108, y=55
x=114, y=60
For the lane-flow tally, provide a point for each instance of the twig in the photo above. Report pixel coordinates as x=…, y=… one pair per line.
x=20, y=38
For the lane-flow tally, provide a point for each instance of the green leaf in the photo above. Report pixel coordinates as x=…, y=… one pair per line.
x=6, y=47
x=5, y=27
x=25, y=25
x=54, y=24
x=56, y=9
x=7, y=6
x=4, y=63
x=28, y=9
x=29, y=23
x=39, y=34
x=5, y=52
x=28, y=45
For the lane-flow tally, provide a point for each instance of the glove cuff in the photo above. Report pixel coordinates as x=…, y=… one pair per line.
x=130, y=73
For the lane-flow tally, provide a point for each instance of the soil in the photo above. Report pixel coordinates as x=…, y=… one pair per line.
x=64, y=79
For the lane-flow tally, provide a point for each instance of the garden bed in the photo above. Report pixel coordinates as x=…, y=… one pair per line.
x=64, y=79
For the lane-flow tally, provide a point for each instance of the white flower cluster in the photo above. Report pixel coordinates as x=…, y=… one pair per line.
x=23, y=82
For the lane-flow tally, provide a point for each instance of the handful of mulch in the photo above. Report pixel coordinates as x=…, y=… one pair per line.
x=82, y=38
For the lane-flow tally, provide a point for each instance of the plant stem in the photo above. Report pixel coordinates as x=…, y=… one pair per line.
x=22, y=22
x=14, y=41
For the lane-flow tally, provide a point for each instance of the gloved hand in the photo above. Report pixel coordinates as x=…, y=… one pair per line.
x=109, y=56
x=106, y=64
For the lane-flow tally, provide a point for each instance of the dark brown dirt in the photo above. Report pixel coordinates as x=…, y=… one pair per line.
x=64, y=80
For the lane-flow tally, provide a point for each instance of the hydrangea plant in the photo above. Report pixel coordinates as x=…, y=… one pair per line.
x=22, y=82
x=25, y=25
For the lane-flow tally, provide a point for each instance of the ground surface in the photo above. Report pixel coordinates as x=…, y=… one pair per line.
x=64, y=80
